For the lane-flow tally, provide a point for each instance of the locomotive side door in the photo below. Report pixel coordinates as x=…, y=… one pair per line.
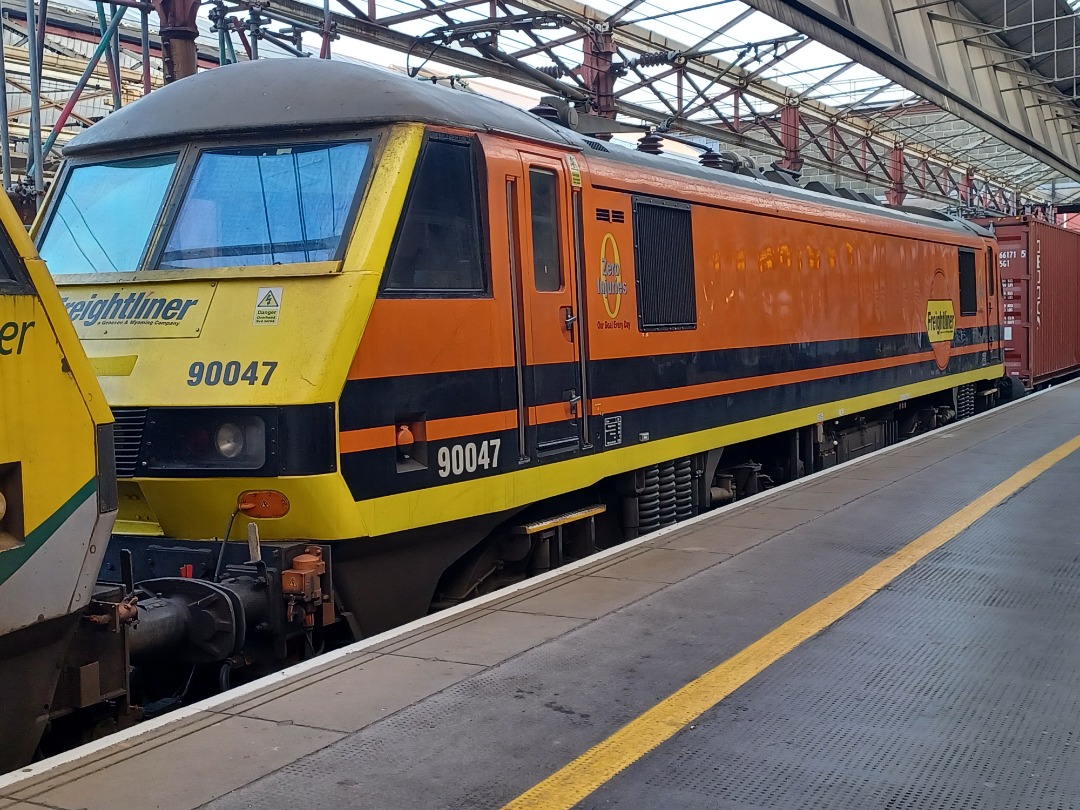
x=542, y=204
x=992, y=284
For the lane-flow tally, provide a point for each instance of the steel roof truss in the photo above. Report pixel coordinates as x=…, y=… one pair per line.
x=746, y=109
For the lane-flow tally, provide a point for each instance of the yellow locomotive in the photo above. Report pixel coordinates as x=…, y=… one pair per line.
x=410, y=341
x=57, y=490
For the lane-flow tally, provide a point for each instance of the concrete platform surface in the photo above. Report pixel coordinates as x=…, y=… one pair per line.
x=952, y=685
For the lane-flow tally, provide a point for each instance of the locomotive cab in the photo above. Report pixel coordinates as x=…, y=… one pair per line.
x=184, y=302
x=220, y=266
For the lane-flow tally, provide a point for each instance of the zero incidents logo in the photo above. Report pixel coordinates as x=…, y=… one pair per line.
x=610, y=284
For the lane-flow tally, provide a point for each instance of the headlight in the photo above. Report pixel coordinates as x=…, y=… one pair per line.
x=249, y=441
x=230, y=440
x=203, y=440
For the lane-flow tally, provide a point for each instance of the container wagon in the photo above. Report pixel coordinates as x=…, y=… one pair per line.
x=1040, y=285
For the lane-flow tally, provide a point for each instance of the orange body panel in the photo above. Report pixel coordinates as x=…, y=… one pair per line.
x=770, y=271
x=766, y=277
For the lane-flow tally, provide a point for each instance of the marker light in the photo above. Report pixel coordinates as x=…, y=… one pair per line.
x=264, y=503
x=405, y=441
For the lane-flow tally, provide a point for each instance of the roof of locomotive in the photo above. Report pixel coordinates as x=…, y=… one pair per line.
x=301, y=95
x=298, y=94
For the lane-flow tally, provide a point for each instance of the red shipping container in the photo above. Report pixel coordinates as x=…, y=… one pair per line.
x=1040, y=285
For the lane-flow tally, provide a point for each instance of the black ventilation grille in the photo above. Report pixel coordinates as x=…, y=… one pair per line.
x=128, y=433
x=607, y=215
x=664, y=265
x=599, y=147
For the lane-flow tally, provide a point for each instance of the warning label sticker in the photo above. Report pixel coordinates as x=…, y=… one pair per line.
x=575, y=171
x=267, y=306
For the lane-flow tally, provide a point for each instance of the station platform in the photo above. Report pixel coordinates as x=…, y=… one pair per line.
x=899, y=632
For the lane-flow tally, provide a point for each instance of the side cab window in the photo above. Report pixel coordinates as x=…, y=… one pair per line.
x=12, y=277
x=438, y=247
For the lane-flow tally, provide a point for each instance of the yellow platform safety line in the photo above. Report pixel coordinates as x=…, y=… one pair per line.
x=569, y=785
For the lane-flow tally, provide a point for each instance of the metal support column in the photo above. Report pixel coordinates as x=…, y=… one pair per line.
x=112, y=66
x=599, y=50
x=144, y=31
x=789, y=134
x=35, y=102
x=5, y=144
x=179, y=55
x=896, y=192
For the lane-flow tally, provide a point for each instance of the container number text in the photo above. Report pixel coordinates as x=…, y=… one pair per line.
x=470, y=457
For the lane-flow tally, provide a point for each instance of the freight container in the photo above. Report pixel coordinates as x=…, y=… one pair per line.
x=1040, y=298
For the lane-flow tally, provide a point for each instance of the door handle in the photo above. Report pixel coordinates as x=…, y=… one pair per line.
x=568, y=320
x=573, y=399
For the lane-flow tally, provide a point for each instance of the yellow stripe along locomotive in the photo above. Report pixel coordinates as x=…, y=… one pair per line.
x=427, y=342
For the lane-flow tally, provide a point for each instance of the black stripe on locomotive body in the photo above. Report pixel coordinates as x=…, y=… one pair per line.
x=373, y=473
x=382, y=401
x=633, y=375
x=674, y=419
x=439, y=395
x=974, y=335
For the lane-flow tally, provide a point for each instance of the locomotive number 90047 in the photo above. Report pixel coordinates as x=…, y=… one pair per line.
x=457, y=459
x=230, y=373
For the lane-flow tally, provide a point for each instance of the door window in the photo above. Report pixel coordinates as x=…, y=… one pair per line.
x=544, y=203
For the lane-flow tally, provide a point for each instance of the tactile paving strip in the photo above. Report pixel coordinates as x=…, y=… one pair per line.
x=957, y=687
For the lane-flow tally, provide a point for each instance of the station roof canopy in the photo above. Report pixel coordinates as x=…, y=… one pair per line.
x=965, y=103
x=969, y=103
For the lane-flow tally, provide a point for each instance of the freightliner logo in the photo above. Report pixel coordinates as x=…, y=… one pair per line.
x=940, y=321
x=142, y=308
